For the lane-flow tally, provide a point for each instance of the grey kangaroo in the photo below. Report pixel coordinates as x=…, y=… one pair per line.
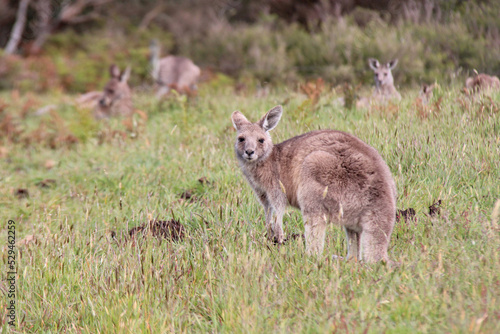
x=384, y=82
x=172, y=72
x=116, y=100
x=331, y=176
x=482, y=82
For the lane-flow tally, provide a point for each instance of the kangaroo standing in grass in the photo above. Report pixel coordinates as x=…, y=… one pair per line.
x=331, y=176
x=384, y=82
x=116, y=100
x=172, y=72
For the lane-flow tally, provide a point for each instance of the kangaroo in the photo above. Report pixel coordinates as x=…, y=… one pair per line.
x=384, y=84
x=331, y=176
x=426, y=93
x=482, y=82
x=116, y=100
x=172, y=72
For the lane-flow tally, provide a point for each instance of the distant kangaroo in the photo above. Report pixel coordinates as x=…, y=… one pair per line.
x=331, y=176
x=173, y=72
x=116, y=100
x=384, y=82
x=482, y=82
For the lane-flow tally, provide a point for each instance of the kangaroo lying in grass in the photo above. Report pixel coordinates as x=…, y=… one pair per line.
x=331, y=176
x=116, y=100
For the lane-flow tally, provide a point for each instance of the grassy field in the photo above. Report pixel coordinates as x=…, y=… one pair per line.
x=69, y=181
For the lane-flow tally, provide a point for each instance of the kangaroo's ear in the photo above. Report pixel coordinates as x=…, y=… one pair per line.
x=114, y=71
x=239, y=120
x=271, y=118
x=125, y=75
x=427, y=88
x=374, y=64
x=392, y=64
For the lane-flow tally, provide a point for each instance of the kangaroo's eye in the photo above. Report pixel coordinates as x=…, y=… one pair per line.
x=261, y=140
x=110, y=91
x=385, y=74
x=241, y=139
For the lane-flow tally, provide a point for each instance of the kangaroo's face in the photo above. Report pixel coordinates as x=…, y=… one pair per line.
x=253, y=142
x=383, y=73
x=116, y=89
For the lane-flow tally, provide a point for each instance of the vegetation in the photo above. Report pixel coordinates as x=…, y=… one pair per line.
x=434, y=41
x=75, y=186
x=224, y=276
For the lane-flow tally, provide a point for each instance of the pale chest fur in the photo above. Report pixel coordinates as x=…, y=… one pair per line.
x=260, y=178
x=383, y=93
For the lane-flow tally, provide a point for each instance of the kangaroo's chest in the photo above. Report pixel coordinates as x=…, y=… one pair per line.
x=261, y=182
x=274, y=184
x=385, y=92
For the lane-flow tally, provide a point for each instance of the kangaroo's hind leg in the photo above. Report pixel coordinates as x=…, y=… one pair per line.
x=375, y=237
x=315, y=230
x=314, y=200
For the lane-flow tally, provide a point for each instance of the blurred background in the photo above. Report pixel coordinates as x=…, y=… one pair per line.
x=68, y=45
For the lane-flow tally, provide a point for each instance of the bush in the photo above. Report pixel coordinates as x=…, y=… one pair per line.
x=82, y=61
x=270, y=50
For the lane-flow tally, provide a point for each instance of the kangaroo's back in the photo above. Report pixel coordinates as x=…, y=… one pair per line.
x=349, y=167
x=177, y=71
x=482, y=82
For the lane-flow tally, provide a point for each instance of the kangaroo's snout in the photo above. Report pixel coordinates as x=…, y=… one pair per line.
x=382, y=77
x=249, y=152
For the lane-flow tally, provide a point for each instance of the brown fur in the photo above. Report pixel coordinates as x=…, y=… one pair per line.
x=116, y=100
x=331, y=176
x=173, y=72
x=89, y=100
x=482, y=82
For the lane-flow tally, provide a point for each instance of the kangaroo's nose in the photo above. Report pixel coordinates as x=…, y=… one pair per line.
x=102, y=102
x=249, y=152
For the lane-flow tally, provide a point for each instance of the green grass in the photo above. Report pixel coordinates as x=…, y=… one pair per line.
x=225, y=276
